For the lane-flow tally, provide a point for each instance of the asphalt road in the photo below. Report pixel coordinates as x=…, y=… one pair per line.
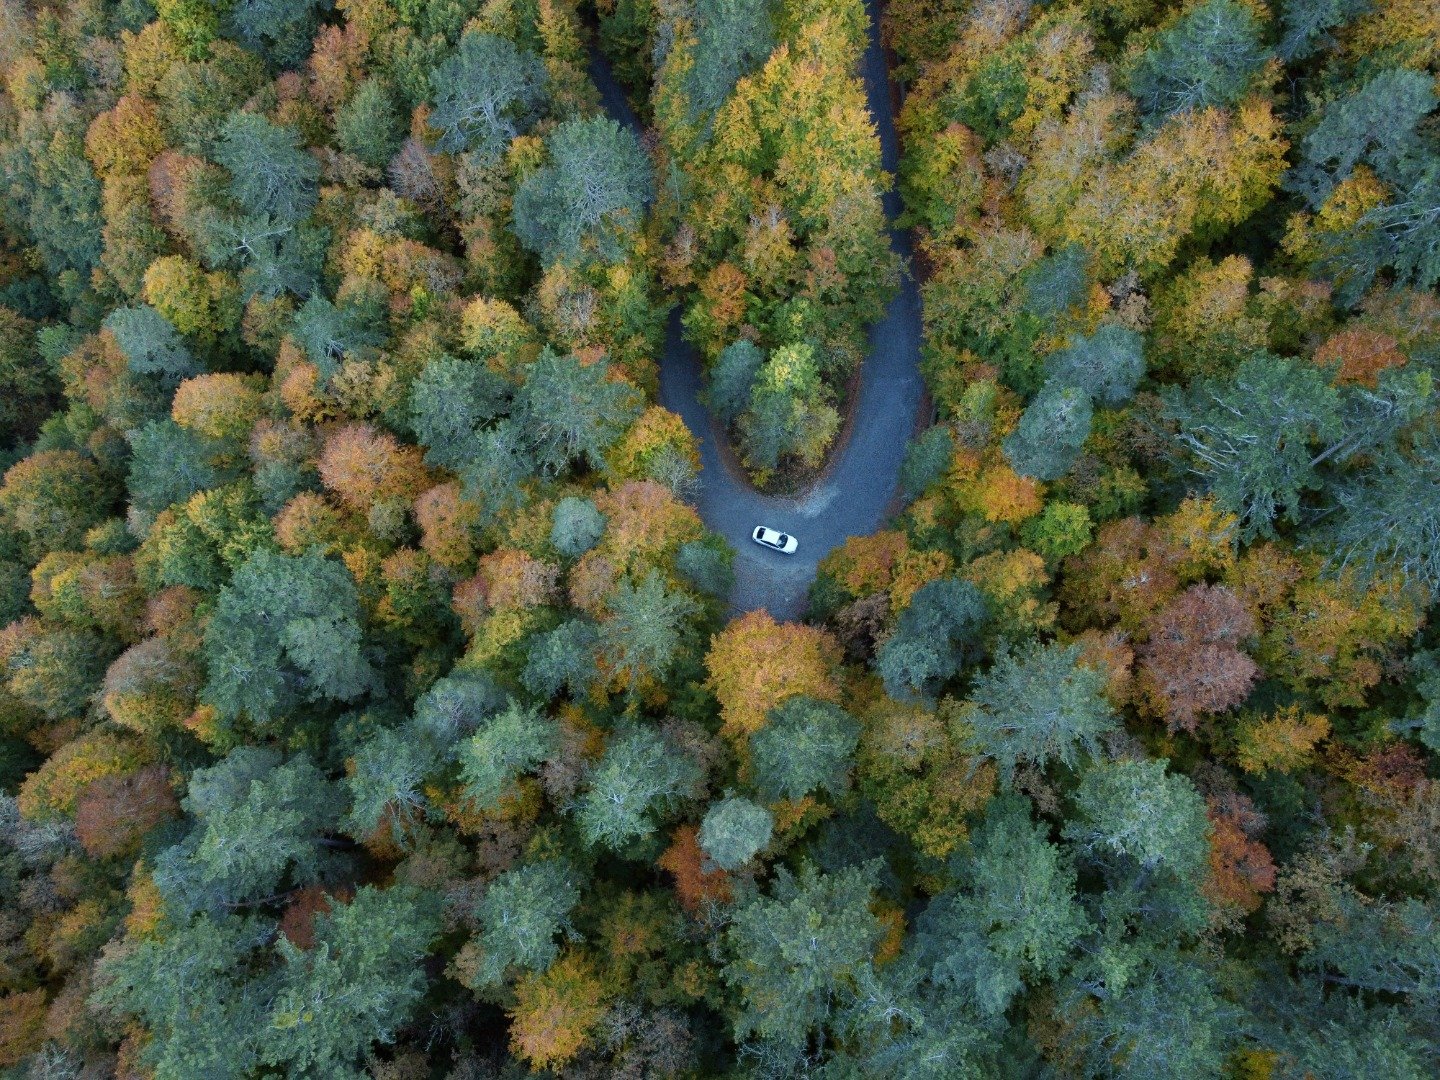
x=854, y=495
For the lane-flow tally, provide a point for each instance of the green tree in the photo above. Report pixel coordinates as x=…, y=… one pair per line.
x=1135, y=813
x=498, y=470
x=519, y=916
x=1107, y=365
x=1161, y=1017
x=590, y=195
x=734, y=831
x=1306, y=25
x=639, y=777
x=1040, y=705
x=1377, y=124
x=489, y=92
x=279, y=30
x=327, y=332
x=285, y=630
x=269, y=172
x=191, y=989
x=644, y=633
x=562, y=659
x=1390, y=520
x=732, y=39
x=806, y=745
x=450, y=402
x=387, y=781
x=1256, y=440
x=28, y=388
x=369, y=127
x=356, y=987
x=731, y=380
x=707, y=565
x=1052, y=430
x=797, y=952
x=456, y=706
x=257, y=824
x=151, y=344
x=927, y=459
x=935, y=636
x=576, y=526
x=1010, y=919
x=168, y=464
x=571, y=411
x=1210, y=56
x=512, y=742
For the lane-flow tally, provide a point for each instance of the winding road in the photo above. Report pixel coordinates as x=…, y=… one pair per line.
x=853, y=496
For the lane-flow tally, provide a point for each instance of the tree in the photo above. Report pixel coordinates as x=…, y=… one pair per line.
x=1134, y=812
x=795, y=953
x=562, y=659
x=1162, y=1017
x=936, y=635
x=455, y=706
x=269, y=172
x=168, y=464
x=756, y=663
x=54, y=497
x=257, y=823
x=369, y=127
x=356, y=987
x=116, y=812
x=589, y=197
x=450, y=403
x=1107, y=365
x=1010, y=918
x=1257, y=439
x=198, y=968
x=1192, y=659
x=570, y=410
x=639, y=777
x=1376, y=123
x=806, y=745
x=707, y=566
x=279, y=30
x=151, y=344
x=732, y=378
x=285, y=630
x=53, y=669
x=1052, y=430
x=927, y=459
x=1210, y=56
x=28, y=389
x=644, y=631
x=556, y=1011
x=734, y=831
x=387, y=781
x=1040, y=705
x=329, y=332
x=512, y=742
x=519, y=916
x=731, y=39
x=577, y=526
x=1390, y=516
x=489, y=92
x=1305, y=25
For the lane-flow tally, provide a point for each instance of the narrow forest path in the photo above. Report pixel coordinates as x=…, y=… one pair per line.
x=854, y=494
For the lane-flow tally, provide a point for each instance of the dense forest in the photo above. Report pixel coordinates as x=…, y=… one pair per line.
x=372, y=702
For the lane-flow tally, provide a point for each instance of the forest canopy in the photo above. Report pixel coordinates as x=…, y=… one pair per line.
x=373, y=697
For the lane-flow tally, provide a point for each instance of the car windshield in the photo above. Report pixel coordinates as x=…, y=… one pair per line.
x=783, y=538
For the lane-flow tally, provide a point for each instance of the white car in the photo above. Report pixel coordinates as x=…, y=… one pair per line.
x=775, y=541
